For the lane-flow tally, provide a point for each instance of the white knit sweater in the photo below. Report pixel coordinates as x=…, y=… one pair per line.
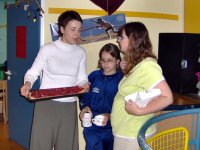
x=60, y=65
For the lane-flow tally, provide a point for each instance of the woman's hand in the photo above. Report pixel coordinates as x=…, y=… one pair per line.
x=24, y=90
x=86, y=86
x=157, y=104
x=132, y=108
x=85, y=110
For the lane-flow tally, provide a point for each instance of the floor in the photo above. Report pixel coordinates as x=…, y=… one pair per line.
x=5, y=143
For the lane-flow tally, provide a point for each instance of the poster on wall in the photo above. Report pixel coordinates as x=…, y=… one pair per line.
x=96, y=29
x=54, y=31
x=21, y=41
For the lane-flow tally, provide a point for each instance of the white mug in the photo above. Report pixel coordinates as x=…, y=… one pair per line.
x=98, y=120
x=86, y=121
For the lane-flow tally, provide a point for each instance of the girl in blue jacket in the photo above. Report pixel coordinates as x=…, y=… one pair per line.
x=99, y=100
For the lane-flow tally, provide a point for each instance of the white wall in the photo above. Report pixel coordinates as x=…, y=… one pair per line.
x=154, y=25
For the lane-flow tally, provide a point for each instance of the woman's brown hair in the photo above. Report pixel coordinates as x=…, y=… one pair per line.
x=66, y=17
x=140, y=46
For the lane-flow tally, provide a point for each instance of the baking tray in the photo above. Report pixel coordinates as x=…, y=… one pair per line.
x=54, y=93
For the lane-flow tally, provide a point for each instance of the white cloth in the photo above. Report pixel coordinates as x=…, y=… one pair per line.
x=61, y=65
x=142, y=98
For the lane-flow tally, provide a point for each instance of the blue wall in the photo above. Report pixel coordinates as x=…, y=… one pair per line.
x=20, y=110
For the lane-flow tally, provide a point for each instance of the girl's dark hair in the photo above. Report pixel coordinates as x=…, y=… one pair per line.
x=112, y=49
x=67, y=16
x=140, y=46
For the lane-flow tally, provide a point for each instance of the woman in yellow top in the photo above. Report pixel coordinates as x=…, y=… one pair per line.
x=141, y=71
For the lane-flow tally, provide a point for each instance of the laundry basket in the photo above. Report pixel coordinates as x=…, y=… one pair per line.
x=172, y=139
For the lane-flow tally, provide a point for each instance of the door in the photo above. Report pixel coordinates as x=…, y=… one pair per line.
x=20, y=55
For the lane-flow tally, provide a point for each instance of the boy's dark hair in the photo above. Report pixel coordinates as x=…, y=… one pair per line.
x=67, y=16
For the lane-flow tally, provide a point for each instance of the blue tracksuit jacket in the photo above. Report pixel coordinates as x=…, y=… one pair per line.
x=100, y=99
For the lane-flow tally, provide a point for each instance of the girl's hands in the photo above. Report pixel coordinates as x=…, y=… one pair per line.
x=88, y=110
x=85, y=110
x=106, y=118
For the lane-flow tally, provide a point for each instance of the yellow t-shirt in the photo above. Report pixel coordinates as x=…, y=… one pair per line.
x=146, y=75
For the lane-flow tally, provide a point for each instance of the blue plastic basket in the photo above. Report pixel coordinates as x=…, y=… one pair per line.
x=194, y=141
